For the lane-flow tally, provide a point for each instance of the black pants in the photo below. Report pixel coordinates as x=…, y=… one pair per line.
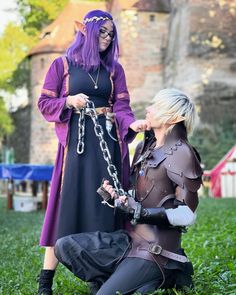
x=99, y=257
x=133, y=274
x=96, y=258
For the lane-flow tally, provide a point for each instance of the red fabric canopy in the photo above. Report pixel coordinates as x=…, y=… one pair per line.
x=216, y=174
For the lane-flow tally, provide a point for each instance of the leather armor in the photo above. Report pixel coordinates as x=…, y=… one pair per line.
x=162, y=177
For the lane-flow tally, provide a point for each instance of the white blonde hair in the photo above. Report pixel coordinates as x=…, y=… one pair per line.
x=174, y=105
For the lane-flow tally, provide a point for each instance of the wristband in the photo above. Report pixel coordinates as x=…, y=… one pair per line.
x=137, y=214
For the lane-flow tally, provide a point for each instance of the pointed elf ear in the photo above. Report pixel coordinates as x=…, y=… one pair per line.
x=177, y=120
x=80, y=27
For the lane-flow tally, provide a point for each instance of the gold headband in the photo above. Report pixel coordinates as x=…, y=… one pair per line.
x=95, y=18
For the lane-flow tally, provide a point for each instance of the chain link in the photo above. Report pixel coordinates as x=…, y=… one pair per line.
x=90, y=110
x=81, y=132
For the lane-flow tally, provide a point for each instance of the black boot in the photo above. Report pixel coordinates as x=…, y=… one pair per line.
x=45, y=281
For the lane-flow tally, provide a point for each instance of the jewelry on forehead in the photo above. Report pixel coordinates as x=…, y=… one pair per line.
x=95, y=18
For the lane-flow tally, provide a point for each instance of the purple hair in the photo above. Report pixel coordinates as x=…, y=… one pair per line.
x=84, y=51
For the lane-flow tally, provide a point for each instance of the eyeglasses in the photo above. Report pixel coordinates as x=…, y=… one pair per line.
x=103, y=33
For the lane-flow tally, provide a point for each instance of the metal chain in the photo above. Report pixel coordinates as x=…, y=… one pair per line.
x=81, y=132
x=90, y=110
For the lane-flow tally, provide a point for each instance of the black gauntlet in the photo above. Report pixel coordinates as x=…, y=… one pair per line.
x=156, y=216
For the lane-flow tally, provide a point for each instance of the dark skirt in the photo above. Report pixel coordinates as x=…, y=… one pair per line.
x=81, y=209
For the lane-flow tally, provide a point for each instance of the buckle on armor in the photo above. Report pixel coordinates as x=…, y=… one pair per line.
x=155, y=249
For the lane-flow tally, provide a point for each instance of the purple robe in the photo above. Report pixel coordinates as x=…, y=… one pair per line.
x=52, y=106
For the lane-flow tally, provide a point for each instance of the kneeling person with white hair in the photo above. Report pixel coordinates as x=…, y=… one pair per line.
x=165, y=176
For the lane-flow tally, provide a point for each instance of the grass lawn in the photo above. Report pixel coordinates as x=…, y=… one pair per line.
x=210, y=243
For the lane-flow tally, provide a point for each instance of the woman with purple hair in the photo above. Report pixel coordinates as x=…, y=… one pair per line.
x=89, y=72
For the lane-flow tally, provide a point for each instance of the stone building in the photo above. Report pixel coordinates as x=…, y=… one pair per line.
x=185, y=44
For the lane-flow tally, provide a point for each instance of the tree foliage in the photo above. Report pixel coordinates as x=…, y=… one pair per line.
x=213, y=142
x=14, y=44
x=38, y=13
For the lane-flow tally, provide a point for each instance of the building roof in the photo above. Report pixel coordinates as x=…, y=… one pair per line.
x=144, y=5
x=60, y=33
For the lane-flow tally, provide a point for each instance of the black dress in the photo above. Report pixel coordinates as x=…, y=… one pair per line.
x=80, y=207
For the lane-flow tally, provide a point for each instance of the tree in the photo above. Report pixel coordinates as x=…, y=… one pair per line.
x=14, y=44
x=38, y=13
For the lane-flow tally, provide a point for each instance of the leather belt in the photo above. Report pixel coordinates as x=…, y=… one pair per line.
x=99, y=111
x=156, y=249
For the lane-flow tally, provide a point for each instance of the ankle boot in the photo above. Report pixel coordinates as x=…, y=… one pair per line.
x=45, y=281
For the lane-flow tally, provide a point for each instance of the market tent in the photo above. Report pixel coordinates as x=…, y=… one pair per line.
x=13, y=172
x=216, y=173
x=26, y=171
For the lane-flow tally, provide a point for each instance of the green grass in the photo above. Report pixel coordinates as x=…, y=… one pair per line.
x=210, y=243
